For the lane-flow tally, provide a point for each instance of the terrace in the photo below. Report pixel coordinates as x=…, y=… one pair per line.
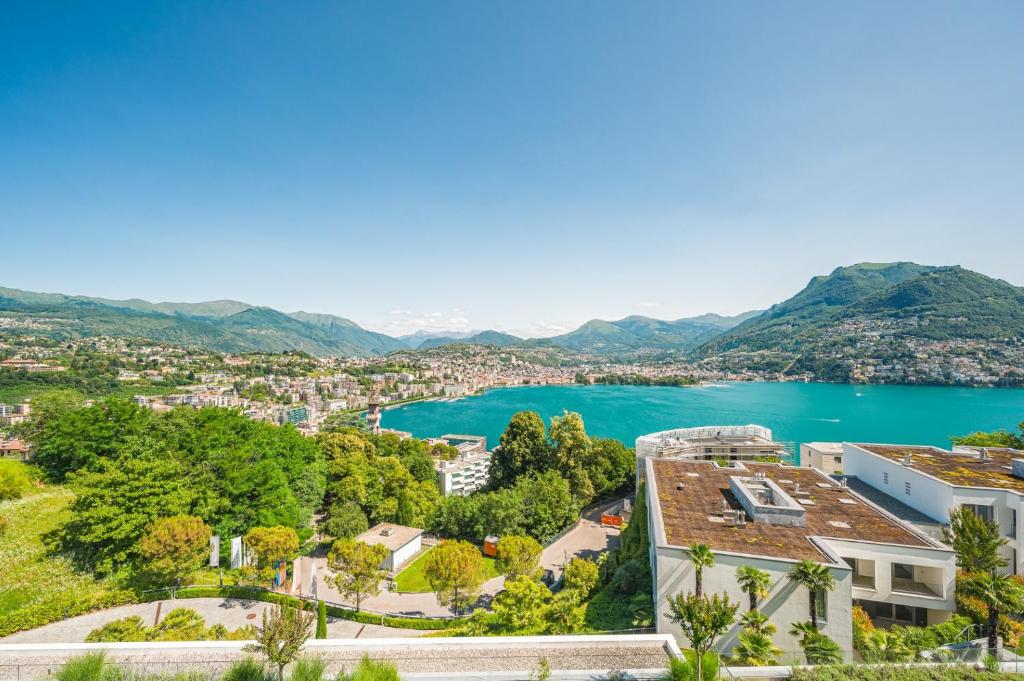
x=963, y=468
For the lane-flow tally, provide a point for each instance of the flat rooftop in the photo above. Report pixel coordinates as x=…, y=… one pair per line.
x=965, y=469
x=390, y=535
x=694, y=514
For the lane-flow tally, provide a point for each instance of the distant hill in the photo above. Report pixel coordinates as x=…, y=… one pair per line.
x=502, y=340
x=638, y=333
x=925, y=301
x=224, y=326
x=415, y=340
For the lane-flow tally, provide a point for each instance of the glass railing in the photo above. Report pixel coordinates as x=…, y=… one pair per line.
x=909, y=586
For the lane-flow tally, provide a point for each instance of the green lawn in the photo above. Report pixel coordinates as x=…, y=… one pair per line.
x=411, y=578
x=31, y=575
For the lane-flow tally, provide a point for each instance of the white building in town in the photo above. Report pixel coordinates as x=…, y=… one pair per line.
x=711, y=443
x=772, y=516
x=469, y=471
x=401, y=542
x=933, y=481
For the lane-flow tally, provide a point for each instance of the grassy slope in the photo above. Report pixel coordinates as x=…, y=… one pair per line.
x=411, y=579
x=29, y=574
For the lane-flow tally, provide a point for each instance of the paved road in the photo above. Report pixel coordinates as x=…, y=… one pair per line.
x=230, y=612
x=587, y=540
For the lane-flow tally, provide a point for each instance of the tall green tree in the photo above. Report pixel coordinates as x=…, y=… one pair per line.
x=518, y=556
x=701, y=556
x=271, y=546
x=520, y=608
x=816, y=578
x=522, y=449
x=176, y=547
x=975, y=541
x=115, y=505
x=572, y=453
x=358, y=569
x=702, y=620
x=455, y=572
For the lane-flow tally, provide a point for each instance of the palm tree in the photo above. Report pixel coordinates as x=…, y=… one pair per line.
x=755, y=620
x=999, y=593
x=754, y=583
x=701, y=557
x=756, y=649
x=818, y=648
x=816, y=577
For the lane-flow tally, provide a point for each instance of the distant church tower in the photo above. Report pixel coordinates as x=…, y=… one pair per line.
x=373, y=413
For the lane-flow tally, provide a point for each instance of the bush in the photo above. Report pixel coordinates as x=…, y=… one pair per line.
x=248, y=669
x=686, y=670
x=321, y=619
x=60, y=608
x=91, y=667
x=372, y=670
x=13, y=480
x=308, y=669
x=897, y=673
x=124, y=630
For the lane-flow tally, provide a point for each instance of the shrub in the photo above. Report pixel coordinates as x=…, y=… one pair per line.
x=127, y=629
x=248, y=669
x=90, y=667
x=897, y=673
x=372, y=670
x=13, y=480
x=60, y=608
x=321, y=619
x=308, y=669
x=686, y=669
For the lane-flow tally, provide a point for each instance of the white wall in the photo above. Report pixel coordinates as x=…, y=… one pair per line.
x=786, y=604
x=404, y=553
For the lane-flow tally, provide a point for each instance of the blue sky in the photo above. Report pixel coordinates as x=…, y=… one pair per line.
x=523, y=166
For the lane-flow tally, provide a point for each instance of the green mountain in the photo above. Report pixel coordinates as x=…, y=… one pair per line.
x=224, y=326
x=501, y=340
x=911, y=299
x=638, y=333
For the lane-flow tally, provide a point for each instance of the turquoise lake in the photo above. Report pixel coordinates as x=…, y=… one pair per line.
x=796, y=412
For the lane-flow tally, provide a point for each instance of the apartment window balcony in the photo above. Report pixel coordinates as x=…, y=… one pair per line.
x=864, y=581
x=863, y=572
x=917, y=580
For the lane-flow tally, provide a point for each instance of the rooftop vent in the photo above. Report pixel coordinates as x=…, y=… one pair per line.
x=844, y=483
x=906, y=459
x=680, y=486
x=387, y=532
x=983, y=455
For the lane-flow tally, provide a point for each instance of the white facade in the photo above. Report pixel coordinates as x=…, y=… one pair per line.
x=916, y=582
x=827, y=457
x=463, y=475
x=402, y=554
x=935, y=497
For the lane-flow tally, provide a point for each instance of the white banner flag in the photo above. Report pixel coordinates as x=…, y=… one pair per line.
x=215, y=551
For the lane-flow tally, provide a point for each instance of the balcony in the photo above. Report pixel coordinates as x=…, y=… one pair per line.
x=917, y=580
x=909, y=586
x=864, y=581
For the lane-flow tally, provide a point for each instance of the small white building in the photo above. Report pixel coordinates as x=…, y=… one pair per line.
x=401, y=542
x=934, y=481
x=827, y=457
x=772, y=516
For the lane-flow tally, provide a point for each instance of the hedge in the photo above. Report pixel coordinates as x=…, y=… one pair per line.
x=60, y=608
x=253, y=594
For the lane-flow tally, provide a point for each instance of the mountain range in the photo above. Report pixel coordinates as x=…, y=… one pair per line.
x=922, y=300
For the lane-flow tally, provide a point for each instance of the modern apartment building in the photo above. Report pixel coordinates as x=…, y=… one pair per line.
x=772, y=516
x=933, y=481
x=711, y=443
x=469, y=471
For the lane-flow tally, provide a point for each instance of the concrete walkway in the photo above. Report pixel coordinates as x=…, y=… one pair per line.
x=232, y=613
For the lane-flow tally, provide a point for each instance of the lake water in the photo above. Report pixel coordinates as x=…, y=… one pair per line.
x=796, y=412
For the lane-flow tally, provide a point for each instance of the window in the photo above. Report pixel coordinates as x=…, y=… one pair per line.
x=983, y=512
x=707, y=450
x=902, y=571
x=906, y=488
x=1012, y=532
x=903, y=613
x=885, y=477
x=822, y=605
x=838, y=459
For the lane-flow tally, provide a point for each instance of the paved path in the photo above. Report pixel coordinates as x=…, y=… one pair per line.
x=232, y=613
x=587, y=540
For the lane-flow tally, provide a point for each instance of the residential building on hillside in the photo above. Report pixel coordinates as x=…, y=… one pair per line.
x=771, y=516
x=934, y=481
x=711, y=443
x=469, y=471
x=401, y=542
x=827, y=457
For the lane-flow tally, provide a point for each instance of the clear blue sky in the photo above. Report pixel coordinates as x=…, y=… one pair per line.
x=520, y=165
